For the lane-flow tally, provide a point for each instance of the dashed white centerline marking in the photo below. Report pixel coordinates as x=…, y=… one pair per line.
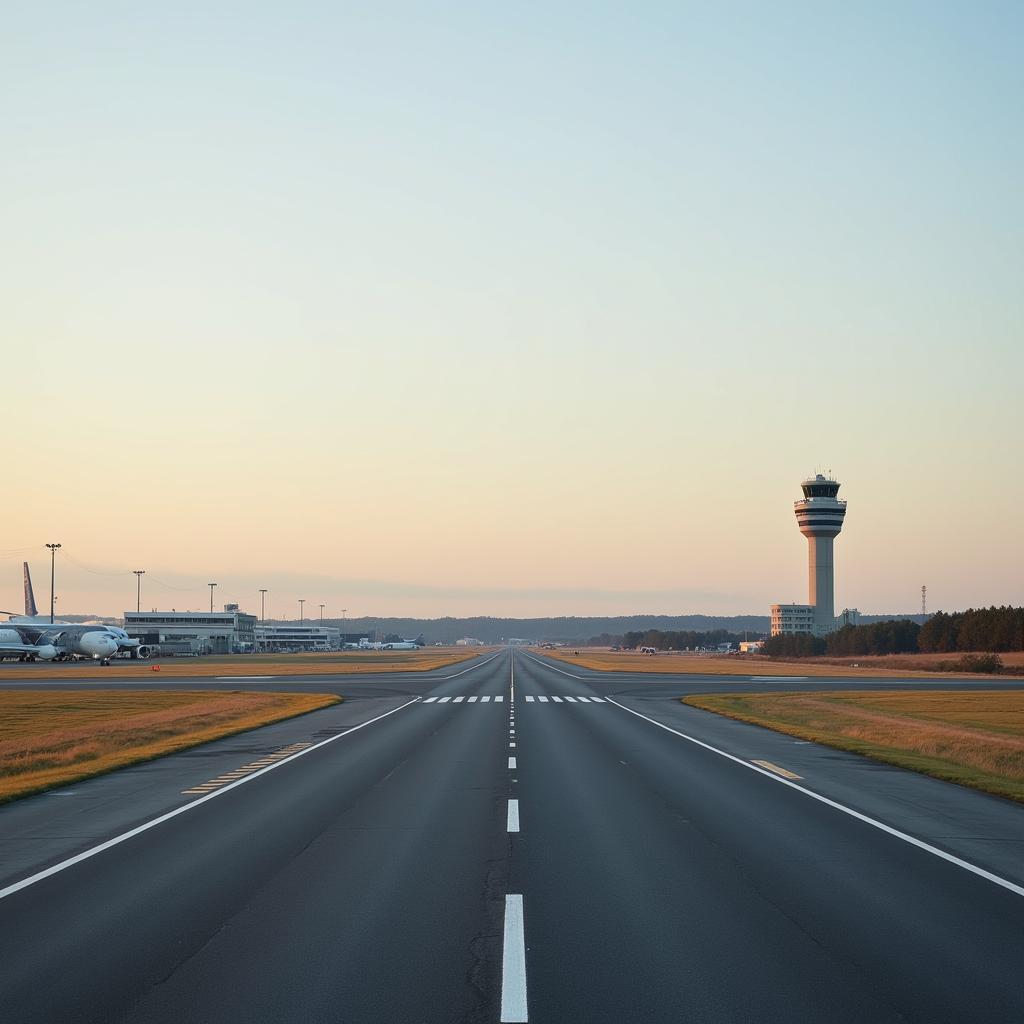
x=484, y=700
x=571, y=700
x=584, y=700
x=543, y=700
x=429, y=700
x=498, y=699
x=513, y=963
x=511, y=762
x=513, y=815
x=511, y=746
x=458, y=700
x=443, y=700
x=597, y=700
x=557, y=700
x=529, y=698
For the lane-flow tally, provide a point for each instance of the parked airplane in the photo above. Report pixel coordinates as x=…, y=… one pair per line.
x=33, y=636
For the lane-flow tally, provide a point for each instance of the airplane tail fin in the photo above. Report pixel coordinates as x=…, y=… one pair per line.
x=30, y=597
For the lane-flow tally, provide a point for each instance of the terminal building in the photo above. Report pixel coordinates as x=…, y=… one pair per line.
x=819, y=515
x=226, y=632
x=298, y=636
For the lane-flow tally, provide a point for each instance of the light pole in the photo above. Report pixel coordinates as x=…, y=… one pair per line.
x=263, y=614
x=139, y=573
x=53, y=555
x=321, y=615
x=302, y=614
x=211, y=586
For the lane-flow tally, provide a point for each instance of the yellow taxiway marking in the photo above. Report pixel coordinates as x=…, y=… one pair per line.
x=248, y=769
x=778, y=771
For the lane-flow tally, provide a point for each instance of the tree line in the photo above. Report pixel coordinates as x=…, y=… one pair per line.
x=977, y=629
x=678, y=640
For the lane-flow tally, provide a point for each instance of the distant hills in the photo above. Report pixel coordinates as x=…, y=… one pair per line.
x=568, y=629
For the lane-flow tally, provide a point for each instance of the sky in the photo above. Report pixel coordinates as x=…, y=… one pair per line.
x=535, y=309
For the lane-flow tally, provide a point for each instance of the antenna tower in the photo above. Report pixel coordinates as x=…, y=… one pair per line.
x=924, y=601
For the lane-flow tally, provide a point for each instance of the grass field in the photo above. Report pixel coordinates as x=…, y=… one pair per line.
x=342, y=663
x=975, y=738
x=906, y=665
x=49, y=738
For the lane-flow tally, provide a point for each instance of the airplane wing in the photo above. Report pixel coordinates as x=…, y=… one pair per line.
x=41, y=650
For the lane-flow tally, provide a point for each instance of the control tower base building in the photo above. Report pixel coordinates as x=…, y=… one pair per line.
x=819, y=516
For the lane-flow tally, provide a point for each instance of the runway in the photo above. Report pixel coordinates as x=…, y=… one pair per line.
x=518, y=841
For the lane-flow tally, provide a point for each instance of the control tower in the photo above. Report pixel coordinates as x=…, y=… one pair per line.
x=820, y=518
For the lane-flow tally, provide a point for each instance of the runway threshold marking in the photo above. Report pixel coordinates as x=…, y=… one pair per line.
x=950, y=858
x=785, y=773
x=191, y=805
x=513, y=963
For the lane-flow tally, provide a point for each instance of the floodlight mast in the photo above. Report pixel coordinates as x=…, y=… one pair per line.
x=53, y=554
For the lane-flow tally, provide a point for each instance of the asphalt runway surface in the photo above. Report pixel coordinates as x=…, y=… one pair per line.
x=513, y=839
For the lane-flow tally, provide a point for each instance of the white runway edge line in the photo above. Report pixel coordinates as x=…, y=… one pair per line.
x=513, y=963
x=146, y=826
x=873, y=822
x=455, y=675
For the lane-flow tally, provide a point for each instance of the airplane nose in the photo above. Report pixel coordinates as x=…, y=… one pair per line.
x=99, y=646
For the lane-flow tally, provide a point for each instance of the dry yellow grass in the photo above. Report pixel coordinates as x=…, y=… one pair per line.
x=975, y=738
x=758, y=665
x=348, y=663
x=52, y=737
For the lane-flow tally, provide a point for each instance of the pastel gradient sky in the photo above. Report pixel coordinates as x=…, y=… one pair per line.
x=528, y=309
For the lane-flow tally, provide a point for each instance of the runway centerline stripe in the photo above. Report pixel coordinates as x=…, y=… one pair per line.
x=191, y=805
x=873, y=822
x=443, y=700
x=458, y=700
x=429, y=700
x=513, y=963
x=557, y=700
x=543, y=700
x=530, y=699
x=513, y=816
x=484, y=700
x=511, y=762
